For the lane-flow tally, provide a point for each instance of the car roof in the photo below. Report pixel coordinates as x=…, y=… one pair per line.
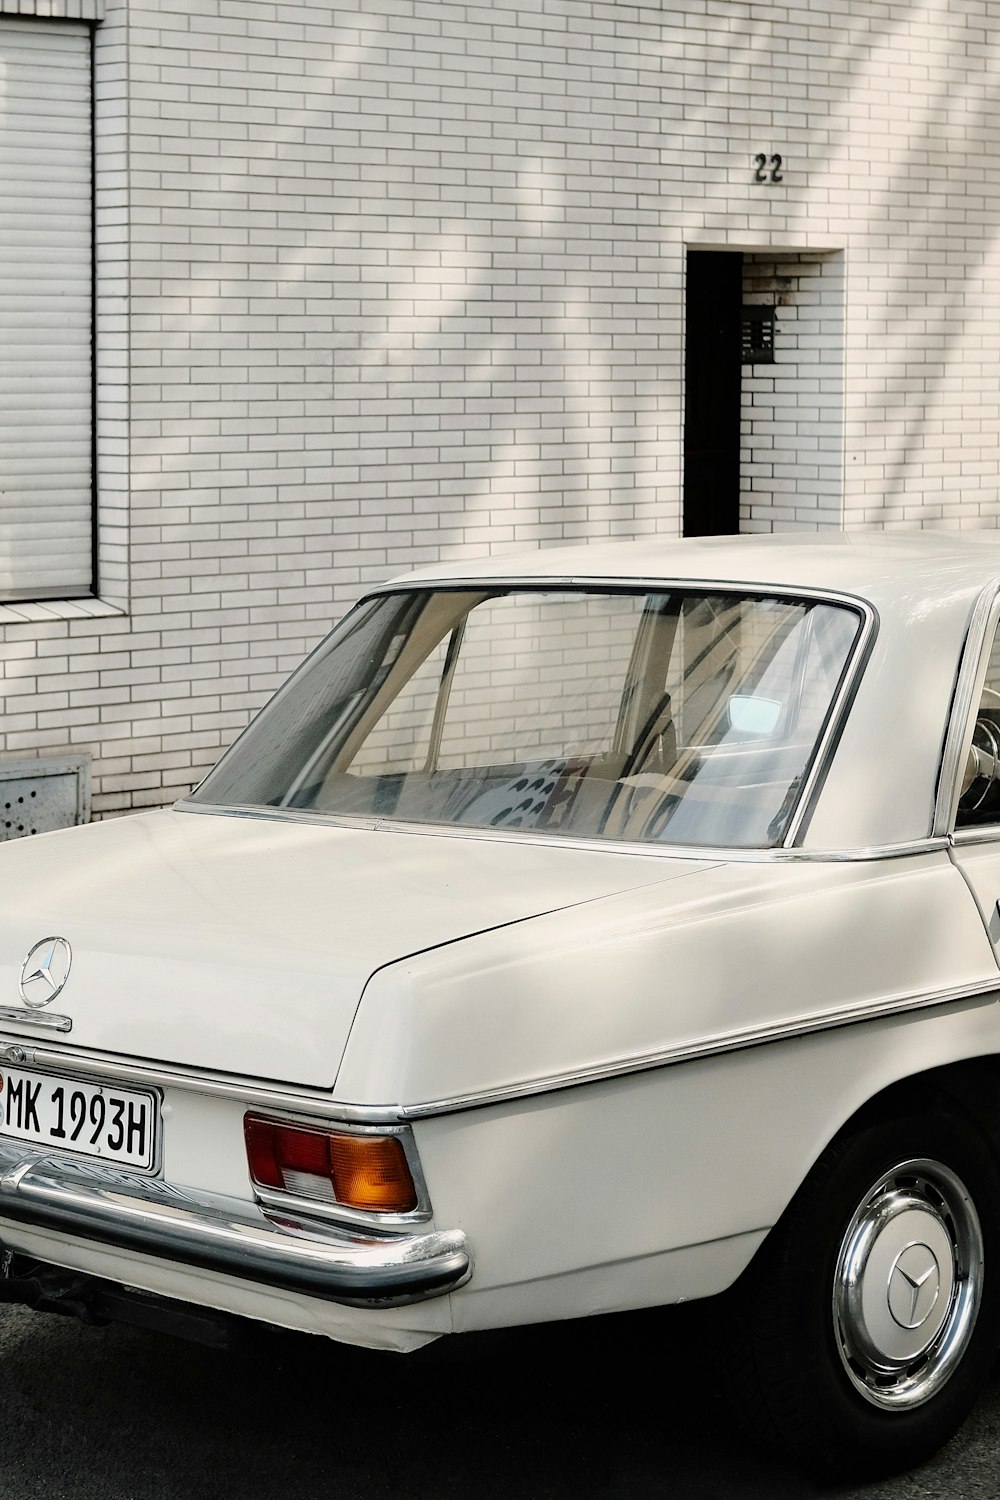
x=879, y=566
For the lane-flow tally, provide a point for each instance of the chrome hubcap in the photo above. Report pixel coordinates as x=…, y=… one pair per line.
x=908, y=1284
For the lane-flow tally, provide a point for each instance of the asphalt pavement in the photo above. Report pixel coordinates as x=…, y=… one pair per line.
x=615, y=1408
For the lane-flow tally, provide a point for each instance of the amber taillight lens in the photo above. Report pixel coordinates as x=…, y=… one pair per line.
x=368, y=1172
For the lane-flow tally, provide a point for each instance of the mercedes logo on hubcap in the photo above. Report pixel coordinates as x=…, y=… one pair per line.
x=45, y=971
x=914, y=1285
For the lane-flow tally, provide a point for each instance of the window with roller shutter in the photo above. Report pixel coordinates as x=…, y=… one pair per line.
x=46, y=310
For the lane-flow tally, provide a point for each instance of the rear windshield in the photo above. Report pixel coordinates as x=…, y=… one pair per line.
x=666, y=717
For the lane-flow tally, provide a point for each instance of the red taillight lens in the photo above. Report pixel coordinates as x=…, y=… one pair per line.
x=368, y=1172
x=278, y=1152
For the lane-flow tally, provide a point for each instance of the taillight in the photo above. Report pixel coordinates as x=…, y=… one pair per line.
x=368, y=1172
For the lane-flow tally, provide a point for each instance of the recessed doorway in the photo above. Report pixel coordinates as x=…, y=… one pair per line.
x=712, y=393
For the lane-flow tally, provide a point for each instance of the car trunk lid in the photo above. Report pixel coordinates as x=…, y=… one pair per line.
x=243, y=945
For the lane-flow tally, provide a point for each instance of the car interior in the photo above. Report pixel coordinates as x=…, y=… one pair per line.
x=679, y=717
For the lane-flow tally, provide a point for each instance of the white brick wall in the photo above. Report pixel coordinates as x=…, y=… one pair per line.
x=400, y=278
x=792, y=449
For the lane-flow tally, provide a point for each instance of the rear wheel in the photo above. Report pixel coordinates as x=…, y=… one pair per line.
x=870, y=1319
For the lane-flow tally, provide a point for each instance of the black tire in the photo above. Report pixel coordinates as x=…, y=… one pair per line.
x=858, y=1346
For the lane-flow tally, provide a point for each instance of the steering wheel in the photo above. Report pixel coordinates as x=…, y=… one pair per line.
x=983, y=766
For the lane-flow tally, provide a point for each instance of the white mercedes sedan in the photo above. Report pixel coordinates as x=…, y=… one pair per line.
x=586, y=931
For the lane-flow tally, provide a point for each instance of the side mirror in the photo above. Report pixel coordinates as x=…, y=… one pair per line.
x=748, y=715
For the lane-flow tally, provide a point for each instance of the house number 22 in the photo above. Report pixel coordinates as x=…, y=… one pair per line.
x=768, y=168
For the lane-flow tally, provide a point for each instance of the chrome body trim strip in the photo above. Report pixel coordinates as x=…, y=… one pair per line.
x=148, y=1215
x=311, y=1104
x=704, y=853
x=716, y=1046
x=46, y=1021
x=965, y=837
x=968, y=689
x=315, y=1106
x=335, y=1213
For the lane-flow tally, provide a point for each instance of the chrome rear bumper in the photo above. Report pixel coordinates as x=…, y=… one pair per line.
x=126, y=1211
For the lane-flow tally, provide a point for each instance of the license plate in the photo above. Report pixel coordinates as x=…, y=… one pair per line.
x=90, y=1119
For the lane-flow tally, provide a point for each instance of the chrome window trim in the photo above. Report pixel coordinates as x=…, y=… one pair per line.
x=971, y=674
x=316, y=1107
x=708, y=854
x=836, y=719
x=613, y=583
x=822, y=754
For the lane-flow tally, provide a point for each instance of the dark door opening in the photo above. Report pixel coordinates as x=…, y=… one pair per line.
x=712, y=379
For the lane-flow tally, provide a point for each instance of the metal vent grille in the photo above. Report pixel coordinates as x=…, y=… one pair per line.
x=38, y=796
x=757, y=335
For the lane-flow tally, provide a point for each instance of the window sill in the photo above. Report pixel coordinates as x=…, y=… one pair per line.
x=42, y=612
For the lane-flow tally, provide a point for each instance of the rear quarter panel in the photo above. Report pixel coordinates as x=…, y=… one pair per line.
x=584, y=1191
